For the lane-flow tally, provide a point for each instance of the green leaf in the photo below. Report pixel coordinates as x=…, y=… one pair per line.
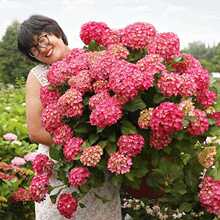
x=110, y=148
x=136, y=104
x=211, y=121
x=215, y=172
x=81, y=205
x=81, y=129
x=158, y=98
x=55, y=153
x=185, y=207
x=94, y=46
x=185, y=158
x=53, y=198
x=99, y=130
x=127, y=127
x=93, y=138
x=178, y=60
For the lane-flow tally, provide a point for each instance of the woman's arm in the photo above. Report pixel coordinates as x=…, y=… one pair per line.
x=33, y=112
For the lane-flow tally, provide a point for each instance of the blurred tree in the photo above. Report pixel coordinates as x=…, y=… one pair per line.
x=208, y=56
x=13, y=65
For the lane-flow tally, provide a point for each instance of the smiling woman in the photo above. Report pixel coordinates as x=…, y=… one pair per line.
x=42, y=34
x=42, y=40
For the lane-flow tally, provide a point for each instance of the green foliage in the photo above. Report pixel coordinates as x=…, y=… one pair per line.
x=208, y=56
x=12, y=119
x=12, y=108
x=13, y=65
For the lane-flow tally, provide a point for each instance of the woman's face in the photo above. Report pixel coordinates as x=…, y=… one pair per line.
x=49, y=48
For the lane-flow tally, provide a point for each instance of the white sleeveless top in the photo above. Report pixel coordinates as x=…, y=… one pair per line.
x=95, y=209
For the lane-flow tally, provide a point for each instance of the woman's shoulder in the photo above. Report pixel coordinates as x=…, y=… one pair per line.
x=39, y=68
x=40, y=72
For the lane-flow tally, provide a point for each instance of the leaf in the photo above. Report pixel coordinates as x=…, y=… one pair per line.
x=81, y=129
x=158, y=98
x=215, y=171
x=55, y=153
x=94, y=46
x=136, y=104
x=53, y=198
x=110, y=148
x=81, y=205
x=93, y=138
x=127, y=127
x=99, y=130
x=178, y=60
x=185, y=207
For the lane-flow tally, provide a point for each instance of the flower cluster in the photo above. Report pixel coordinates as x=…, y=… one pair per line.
x=78, y=176
x=105, y=104
x=209, y=195
x=91, y=156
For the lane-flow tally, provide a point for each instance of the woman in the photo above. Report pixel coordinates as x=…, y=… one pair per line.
x=42, y=40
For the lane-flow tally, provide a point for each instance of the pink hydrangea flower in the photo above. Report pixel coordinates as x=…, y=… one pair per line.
x=73, y=54
x=10, y=137
x=199, y=124
x=109, y=37
x=70, y=103
x=101, y=69
x=126, y=79
x=188, y=86
x=93, y=31
x=30, y=156
x=72, y=148
x=167, y=45
x=201, y=79
x=106, y=113
x=169, y=84
x=94, y=56
x=207, y=98
x=216, y=117
x=67, y=205
x=81, y=82
x=159, y=140
x=148, y=80
x=18, y=161
x=39, y=187
x=48, y=96
x=152, y=63
x=100, y=86
x=98, y=98
x=62, y=134
x=189, y=62
x=51, y=117
x=131, y=144
x=138, y=35
x=21, y=195
x=42, y=165
x=118, y=50
x=91, y=156
x=173, y=84
x=119, y=163
x=209, y=195
x=76, y=64
x=167, y=118
x=57, y=73
x=78, y=176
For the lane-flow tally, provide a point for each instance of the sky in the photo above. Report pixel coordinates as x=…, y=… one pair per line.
x=191, y=20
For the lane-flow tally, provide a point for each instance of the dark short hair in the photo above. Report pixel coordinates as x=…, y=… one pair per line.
x=34, y=26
